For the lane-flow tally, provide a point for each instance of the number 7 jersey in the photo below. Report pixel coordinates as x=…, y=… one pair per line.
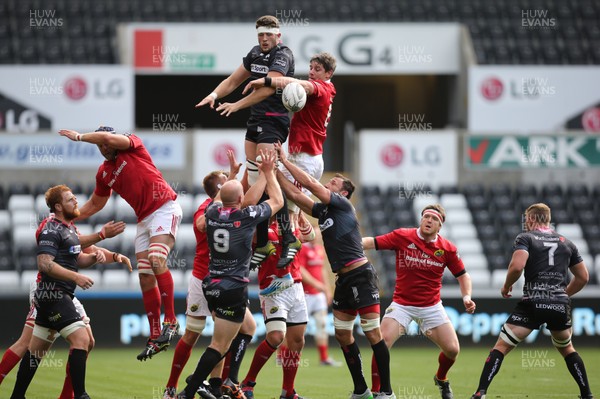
x=229, y=234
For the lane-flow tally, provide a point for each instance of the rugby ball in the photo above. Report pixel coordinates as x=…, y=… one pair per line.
x=293, y=97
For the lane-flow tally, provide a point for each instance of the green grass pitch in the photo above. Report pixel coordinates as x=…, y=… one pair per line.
x=528, y=372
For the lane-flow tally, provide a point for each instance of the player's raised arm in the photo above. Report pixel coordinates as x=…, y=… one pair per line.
x=116, y=141
x=109, y=230
x=267, y=168
x=294, y=194
x=226, y=87
x=255, y=97
x=303, y=178
x=92, y=206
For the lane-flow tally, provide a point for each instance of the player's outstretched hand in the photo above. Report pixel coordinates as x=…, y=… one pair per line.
x=469, y=304
x=234, y=166
x=84, y=281
x=112, y=229
x=70, y=134
x=506, y=291
x=280, y=152
x=227, y=109
x=210, y=100
x=253, y=85
x=267, y=163
x=125, y=260
x=100, y=257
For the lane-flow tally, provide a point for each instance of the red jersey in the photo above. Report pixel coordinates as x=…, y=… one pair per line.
x=420, y=265
x=311, y=257
x=308, y=129
x=268, y=269
x=135, y=178
x=202, y=258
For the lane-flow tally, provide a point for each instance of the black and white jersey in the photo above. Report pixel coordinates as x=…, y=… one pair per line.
x=547, y=268
x=279, y=59
x=340, y=229
x=229, y=233
x=62, y=242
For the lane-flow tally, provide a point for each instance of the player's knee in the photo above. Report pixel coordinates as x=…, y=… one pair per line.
x=507, y=335
x=452, y=351
x=249, y=325
x=194, y=325
x=252, y=169
x=368, y=325
x=158, y=254
x=561, y=343
x=320, y=325
x=275, y=338
x=276, y=327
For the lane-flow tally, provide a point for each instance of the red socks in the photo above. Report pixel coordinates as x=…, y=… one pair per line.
x=323, y=352
x=445, y=364
x=375, y=380
x=165, y=285
x=290, y=361
x=262, y=354
x=9, y=361
x=152, y=305
x=180, y=358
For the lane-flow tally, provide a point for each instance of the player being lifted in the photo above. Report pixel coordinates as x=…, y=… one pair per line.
x=269, y=121
x=229, y=228
x=129, y=171
x=356, y=291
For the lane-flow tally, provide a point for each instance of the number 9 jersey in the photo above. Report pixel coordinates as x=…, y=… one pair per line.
x=229, y=233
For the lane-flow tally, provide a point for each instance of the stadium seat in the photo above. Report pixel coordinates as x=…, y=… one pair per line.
x=187, y=206
x=28, y=279
x=116, y=280
x=463, y=231
x=113, y=243
x=106, y=214
x=21, y=202
x=421, y=201
x=5, y=222
x=85, y=229
x=95, y=275
x=124, y=212
x=474, y=261
x=9, y=280
x=453, y=201
x=23, y=239
x=469, y=247
x=459, y=216
x=571, y=231
x=128, y=242
x=480, y=278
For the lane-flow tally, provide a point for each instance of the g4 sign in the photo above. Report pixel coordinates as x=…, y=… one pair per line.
x=356, y=49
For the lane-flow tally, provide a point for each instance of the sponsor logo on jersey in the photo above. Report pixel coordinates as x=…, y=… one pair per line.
x=424, y=255
x=47, y=243
x=103, y=174
x=259, y=69
x=439, y=252
x=75, y=249
x=273, y=309
x=159, y=229
x=326, y=224
x=412, y=246
x=281, y=62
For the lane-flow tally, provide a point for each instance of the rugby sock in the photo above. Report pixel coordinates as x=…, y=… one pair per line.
x=577, y=370
x=8, y=362
x=444, y=365
x=77, y=361
x=262, y=229
x=261, y=355
x=165, y=285
x=381, y=353
x=290, y=362
x=375, y=380
x=490, y=369
x=226, y=364
x=354, y=362
x=323, y=355
x=151, y=300
x=209, y=359
x=283, y=220
x=27, y=369
x=237, y=350
x=180, y=358
x=67, y=390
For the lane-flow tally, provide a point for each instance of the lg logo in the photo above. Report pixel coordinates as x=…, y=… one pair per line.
x=76, y=88
x=492, y=88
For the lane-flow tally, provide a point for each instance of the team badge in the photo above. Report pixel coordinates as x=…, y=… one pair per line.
x=389, y=310
x=237, y=223
x=194, y=307
x=274, y=309
x=439, y=252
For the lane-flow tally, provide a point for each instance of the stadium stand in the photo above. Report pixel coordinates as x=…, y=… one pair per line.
x=89, y=37
x=483, y=222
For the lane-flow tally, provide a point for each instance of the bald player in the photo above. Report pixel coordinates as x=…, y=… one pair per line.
x=230, y=226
